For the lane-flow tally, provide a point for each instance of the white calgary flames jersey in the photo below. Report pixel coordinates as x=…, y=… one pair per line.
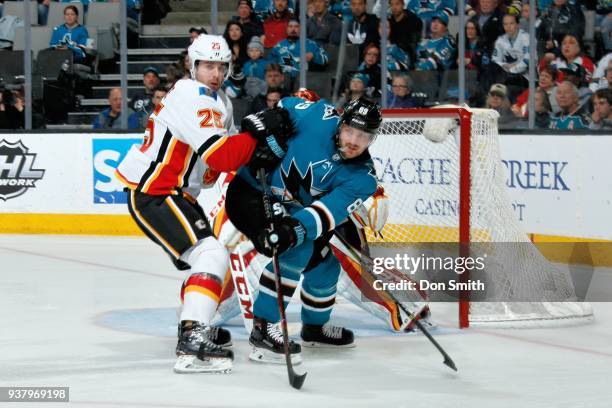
x=188, y=125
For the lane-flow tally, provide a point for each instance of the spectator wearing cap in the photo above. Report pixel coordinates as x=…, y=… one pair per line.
x=356, y=89
x=287, y=52
x=109, y=118
x=427, y=10
x=511, y=56
x=194, y=32
x=575, y=74
x=275, y=78
x=253, y=27
x=602, y=110
x=142, y=101
x=256, y=65
x=275, y=26
x=401, y=95
x=438, y=50
x=139, y=119
x=562, y=17
x=497, y=99
x=323, y=27
x=363, y=29
x=571, y=52
x=571, y=116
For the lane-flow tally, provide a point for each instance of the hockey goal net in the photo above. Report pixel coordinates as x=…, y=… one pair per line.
x=446, y=183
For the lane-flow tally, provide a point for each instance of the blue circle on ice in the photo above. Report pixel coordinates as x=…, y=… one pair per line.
x=163, y=322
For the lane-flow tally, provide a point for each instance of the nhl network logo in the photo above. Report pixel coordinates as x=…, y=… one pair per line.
x=16, y=170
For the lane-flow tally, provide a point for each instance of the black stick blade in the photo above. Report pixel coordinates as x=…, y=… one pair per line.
x=449, y=362
x=297, y=380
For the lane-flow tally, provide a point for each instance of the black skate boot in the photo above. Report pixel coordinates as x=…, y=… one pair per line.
x=326, y=335
x=197, y=353
x=218, y=335
x=267, y=341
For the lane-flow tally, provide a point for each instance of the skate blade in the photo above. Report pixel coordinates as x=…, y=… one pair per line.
x=266, y=356
x=316, y=344
x=191, y=364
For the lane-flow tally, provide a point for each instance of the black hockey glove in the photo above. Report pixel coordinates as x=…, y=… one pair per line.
x=264, y=157
x=288, y=233
x=269, y=122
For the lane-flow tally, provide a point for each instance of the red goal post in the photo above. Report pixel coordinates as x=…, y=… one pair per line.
x=447, y=161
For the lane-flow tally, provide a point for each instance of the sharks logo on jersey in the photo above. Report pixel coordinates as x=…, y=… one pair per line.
x=297, y=185
x=330, y=113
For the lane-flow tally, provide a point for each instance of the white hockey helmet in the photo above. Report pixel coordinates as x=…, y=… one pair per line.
x=209, y=48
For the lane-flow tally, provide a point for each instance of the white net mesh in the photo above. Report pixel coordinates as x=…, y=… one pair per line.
x=422, y=180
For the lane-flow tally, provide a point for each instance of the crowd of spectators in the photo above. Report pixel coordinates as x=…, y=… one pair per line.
x=574, y=78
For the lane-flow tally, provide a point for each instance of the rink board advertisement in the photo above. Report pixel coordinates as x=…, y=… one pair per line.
x=558, y=185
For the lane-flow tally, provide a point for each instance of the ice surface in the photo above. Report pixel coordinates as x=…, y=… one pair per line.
x=98, y=314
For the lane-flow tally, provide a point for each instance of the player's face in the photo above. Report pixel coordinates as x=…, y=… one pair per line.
x=211, y=73
x=353, y=142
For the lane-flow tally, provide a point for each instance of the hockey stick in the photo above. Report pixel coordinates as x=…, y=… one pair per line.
x=296, y=380
x=358, y=255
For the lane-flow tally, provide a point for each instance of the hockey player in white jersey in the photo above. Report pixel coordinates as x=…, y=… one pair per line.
x=186, y=146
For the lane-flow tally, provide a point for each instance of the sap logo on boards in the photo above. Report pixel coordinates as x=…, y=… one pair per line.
x=17, y=172
x=107, y=154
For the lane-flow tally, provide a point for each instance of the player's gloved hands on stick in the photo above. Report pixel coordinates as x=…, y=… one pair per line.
x=288, y=233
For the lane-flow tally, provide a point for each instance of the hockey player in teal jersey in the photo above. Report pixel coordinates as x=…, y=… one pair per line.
x=325, y=173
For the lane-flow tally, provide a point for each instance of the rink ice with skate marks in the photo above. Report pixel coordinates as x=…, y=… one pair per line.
x=67, y=305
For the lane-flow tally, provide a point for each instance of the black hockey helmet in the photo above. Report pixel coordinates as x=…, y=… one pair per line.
x=362, y=114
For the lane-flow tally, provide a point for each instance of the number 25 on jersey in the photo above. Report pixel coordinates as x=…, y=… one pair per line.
x=210, y=118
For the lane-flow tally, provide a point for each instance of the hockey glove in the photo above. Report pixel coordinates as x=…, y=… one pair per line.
x=270, y=122
x=288, y=233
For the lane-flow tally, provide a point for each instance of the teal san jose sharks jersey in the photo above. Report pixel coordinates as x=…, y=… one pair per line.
x=314, y=183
